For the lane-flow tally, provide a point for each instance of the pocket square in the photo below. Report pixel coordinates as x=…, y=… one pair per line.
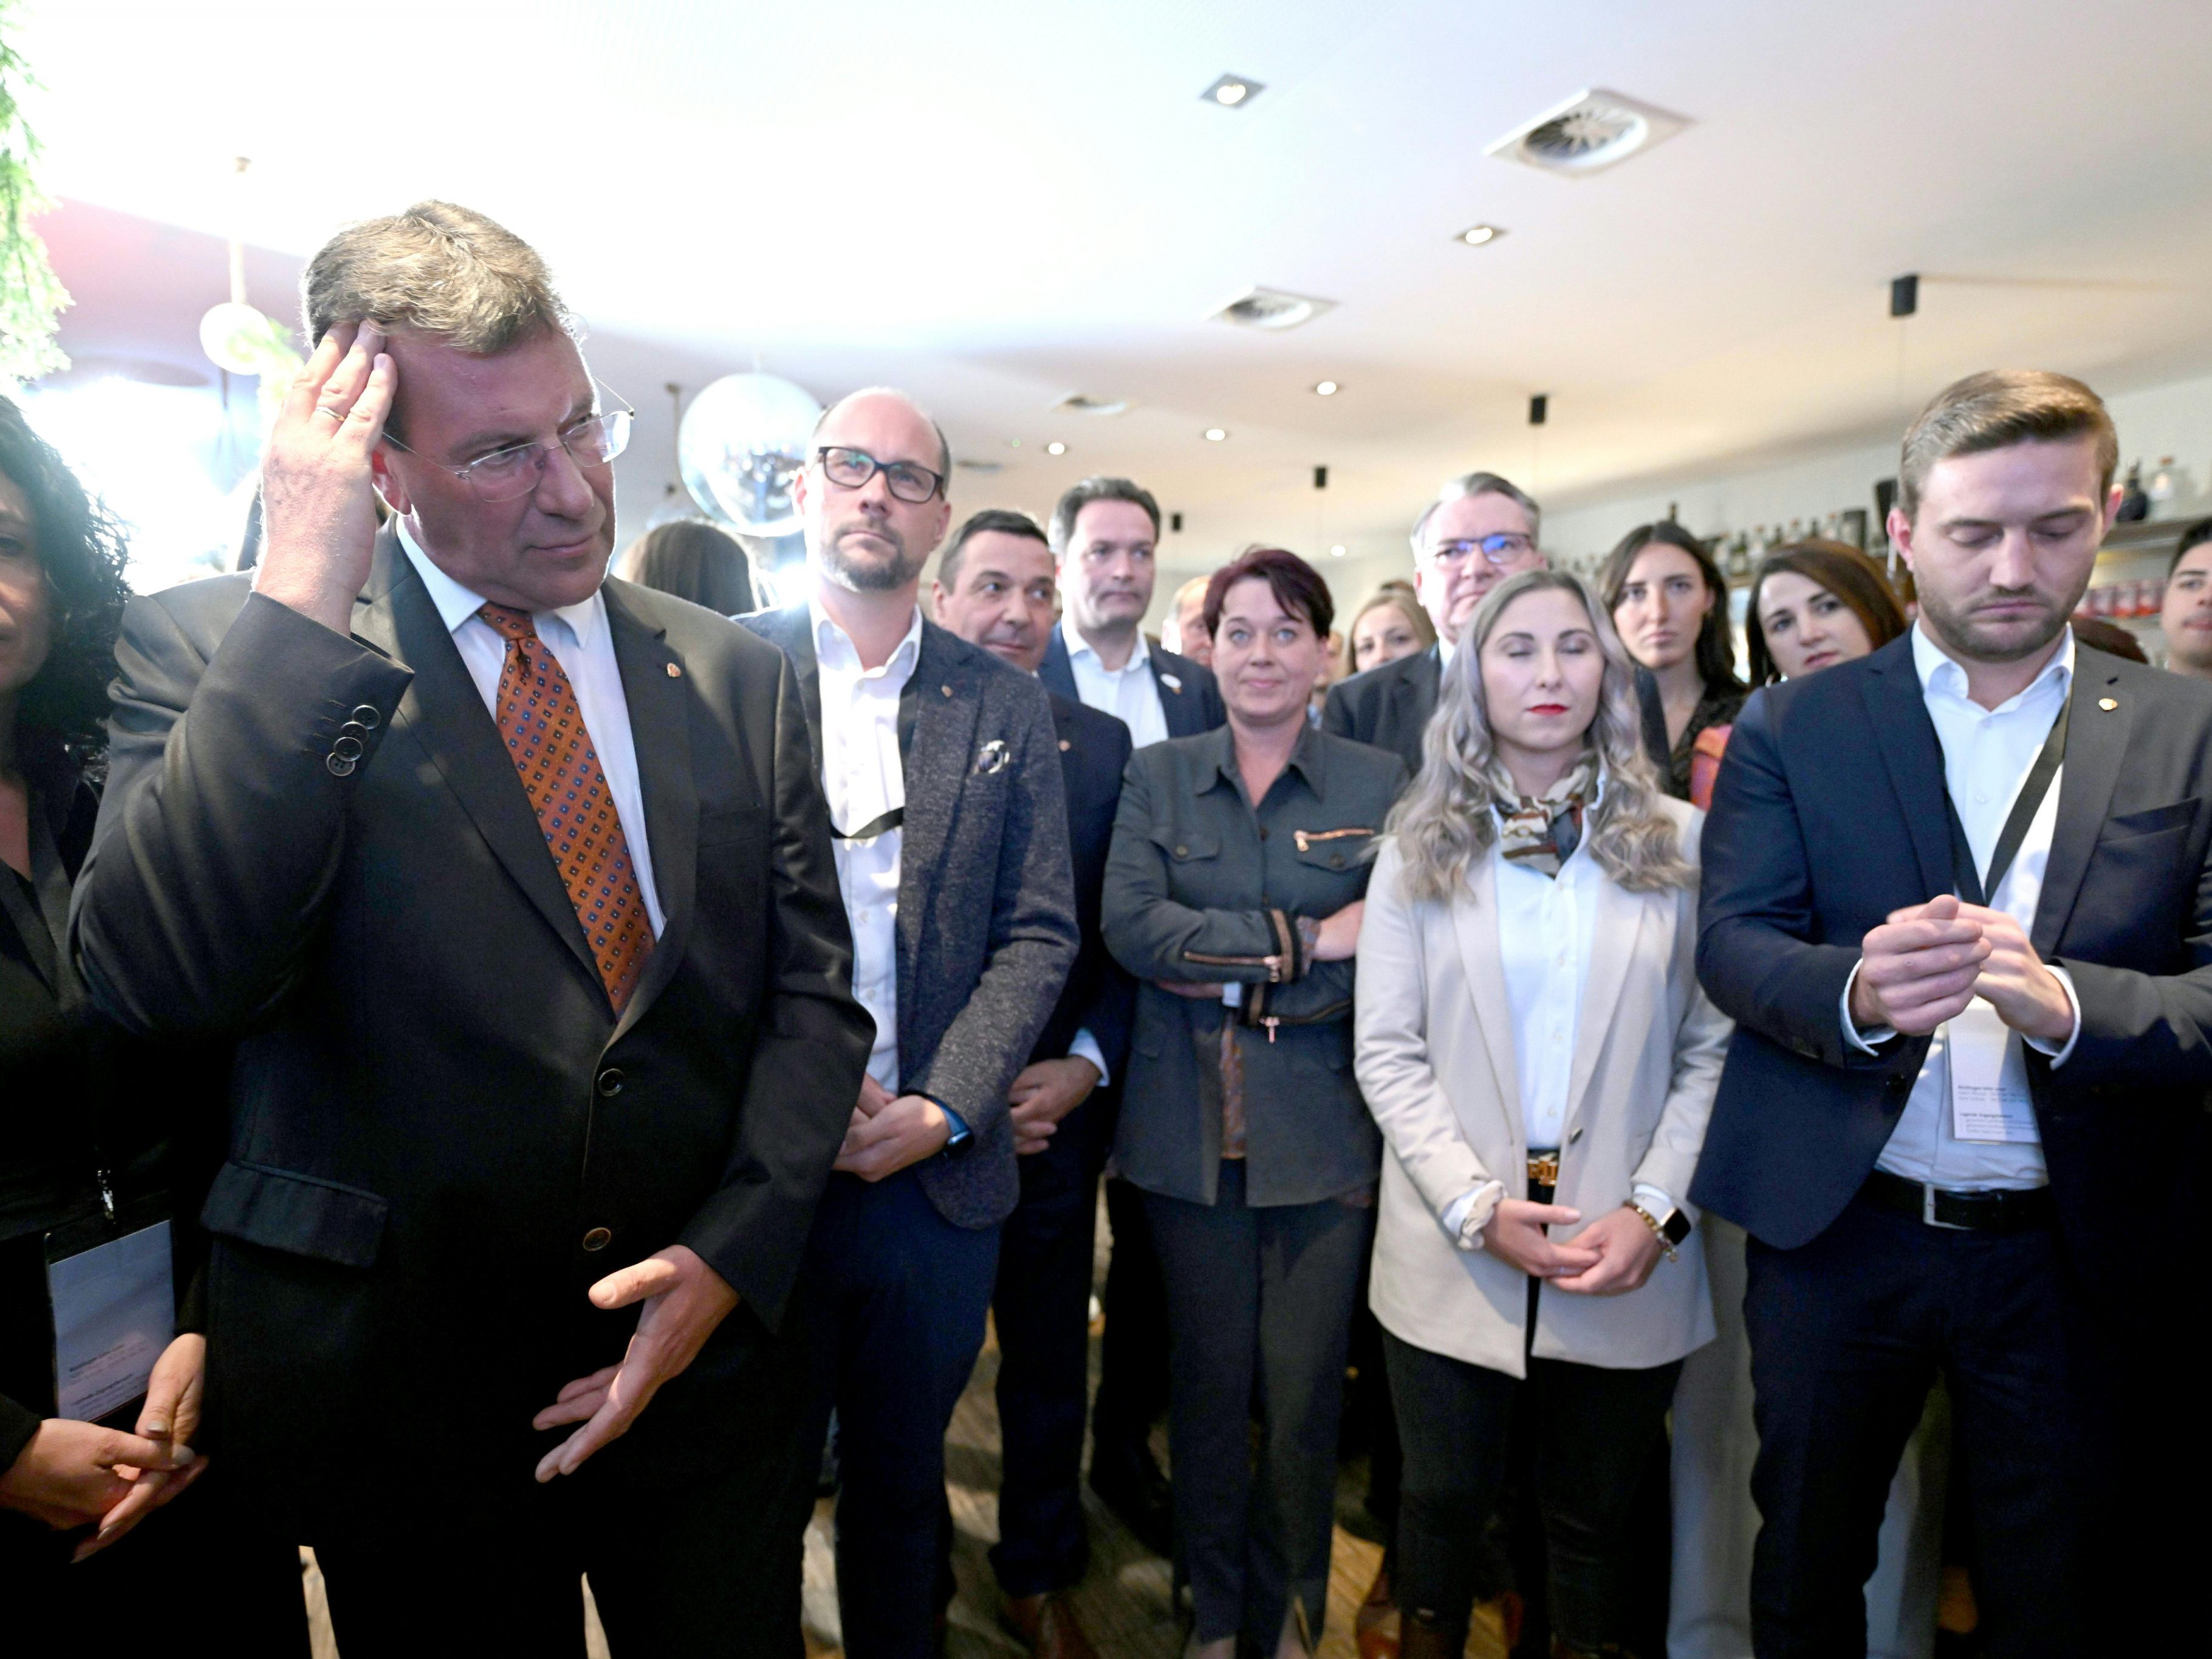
x=993, y=756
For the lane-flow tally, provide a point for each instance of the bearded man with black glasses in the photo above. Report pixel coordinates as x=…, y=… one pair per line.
x=942, y=767
x=513, y=886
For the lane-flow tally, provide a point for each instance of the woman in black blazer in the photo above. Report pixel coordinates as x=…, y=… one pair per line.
x=93, y=1131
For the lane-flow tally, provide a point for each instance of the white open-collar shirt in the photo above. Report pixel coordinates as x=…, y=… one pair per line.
x=1128, y=693
x=1987, y=756
x=583, y=643
x=863, y=777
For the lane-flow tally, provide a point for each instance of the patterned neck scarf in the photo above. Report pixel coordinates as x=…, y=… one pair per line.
x=1541, y=832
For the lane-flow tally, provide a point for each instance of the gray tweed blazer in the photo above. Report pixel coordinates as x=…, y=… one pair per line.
x=986, y=928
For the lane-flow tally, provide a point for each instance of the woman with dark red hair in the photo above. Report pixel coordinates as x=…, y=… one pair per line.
x=1233, y=892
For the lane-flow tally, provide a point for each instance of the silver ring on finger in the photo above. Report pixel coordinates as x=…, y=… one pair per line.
x=337, y=415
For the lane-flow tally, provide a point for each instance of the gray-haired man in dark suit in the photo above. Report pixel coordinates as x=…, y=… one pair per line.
x=943, y=777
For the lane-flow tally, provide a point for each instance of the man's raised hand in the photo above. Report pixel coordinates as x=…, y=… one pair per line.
x=318, y=503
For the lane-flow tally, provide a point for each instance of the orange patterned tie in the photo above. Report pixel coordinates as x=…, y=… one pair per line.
x=544, y=732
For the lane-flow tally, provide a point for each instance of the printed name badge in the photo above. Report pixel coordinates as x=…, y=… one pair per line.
x=114, y=1308
x=1989, y=1098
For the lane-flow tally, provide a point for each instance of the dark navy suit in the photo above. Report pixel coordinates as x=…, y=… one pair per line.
x=2061, y=1343
x=1042, y=1302
x=1188, y=697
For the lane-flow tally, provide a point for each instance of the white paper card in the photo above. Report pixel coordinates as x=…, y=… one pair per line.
x=1989, y=1098
x=114, y=1311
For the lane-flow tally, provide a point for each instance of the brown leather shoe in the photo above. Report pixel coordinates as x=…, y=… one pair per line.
x=1047, y=1623
x=1375, y=1626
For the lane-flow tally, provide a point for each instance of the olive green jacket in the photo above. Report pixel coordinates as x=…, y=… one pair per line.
x=1202, y=888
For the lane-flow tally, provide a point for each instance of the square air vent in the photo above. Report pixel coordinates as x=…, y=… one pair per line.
x=1082, y=403
x=1591, y=132
x=1272, y=309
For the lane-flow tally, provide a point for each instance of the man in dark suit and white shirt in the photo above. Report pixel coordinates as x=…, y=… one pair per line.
x=994, y=588
x=514, y=885
x=1479, y=530
x=1958, y=899
x=1105, y=533
x=943, y=778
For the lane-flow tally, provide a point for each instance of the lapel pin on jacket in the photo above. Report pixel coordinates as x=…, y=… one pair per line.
x=2107, y=704
x=993, y=756
x=1172, y=682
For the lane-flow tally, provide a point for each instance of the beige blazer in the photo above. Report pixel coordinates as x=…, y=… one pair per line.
x=1434, y=1055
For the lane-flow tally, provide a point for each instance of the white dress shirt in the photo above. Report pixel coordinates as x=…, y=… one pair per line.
x=864, y=777
x=1987, y=755
x=1128, y=693
x=1545, y=926
x=583, y=644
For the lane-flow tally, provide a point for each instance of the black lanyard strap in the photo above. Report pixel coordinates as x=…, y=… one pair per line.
x=882, y=825
x=1976, y=886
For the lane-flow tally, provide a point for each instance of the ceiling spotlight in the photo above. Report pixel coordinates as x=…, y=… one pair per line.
x=1325, y=388
x=1214, y=434
x=1055, y=449
x=1336, y=552
x=1233, y=90
x=1476, y=235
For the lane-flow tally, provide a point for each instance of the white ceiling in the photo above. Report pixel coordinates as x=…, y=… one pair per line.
x=999, y=202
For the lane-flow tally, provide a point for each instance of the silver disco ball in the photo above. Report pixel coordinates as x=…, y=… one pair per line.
x=743, y=441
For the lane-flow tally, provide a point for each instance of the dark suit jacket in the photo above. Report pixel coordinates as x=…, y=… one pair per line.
x=986, y=909
x=1828, y=814
x=1191, y=702
x=1099, y=998
x=1387, y=707
x=435, y=1106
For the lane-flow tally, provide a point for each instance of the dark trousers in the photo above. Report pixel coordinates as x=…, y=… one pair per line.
x=1847, y=1333
x=1043, y=1310
x=688, y=1570
x=1259, y=1307
x=1133, y=1358
x=894, y=1297
x=1588, y=1433
x=201, y=1569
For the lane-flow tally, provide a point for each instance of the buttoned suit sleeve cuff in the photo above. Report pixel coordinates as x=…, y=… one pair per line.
x=2059, y=1056
x=1869, y=1041
x=1466, y=1216
x=1084, y=1046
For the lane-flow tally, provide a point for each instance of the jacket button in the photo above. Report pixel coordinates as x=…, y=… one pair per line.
x=347, y=749
x=353, y=729
x=598, y=1239
x=366, y=714
x=1182, y=851
x=339, y=766
x=1263, y=832
x=610, y=1082
x=1336, y=861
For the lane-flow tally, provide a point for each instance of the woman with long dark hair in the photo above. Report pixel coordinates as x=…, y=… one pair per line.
x=1669, y=604
x=1815, y=604
x=91, y=1127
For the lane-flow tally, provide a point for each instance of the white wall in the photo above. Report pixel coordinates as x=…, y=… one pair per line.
x=2173, y=420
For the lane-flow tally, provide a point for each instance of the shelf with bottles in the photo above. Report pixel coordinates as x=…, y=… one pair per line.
x=1738, y=552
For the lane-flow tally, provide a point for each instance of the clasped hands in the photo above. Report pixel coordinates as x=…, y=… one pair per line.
x=73, y=1474
x=1924, y=965
x=889, y=1132
x=1612, y=1256
x=1336, y=940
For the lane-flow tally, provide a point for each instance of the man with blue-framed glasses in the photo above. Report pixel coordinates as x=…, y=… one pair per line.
x=1479, y=530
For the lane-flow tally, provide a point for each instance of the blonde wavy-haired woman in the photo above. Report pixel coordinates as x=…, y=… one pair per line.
x=1532, y=1041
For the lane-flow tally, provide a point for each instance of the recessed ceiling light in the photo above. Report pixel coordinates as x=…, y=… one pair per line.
x=1055, y=449
x=1336, y=552
x=1325, y=388
x=1232, y=91
x=1214, y=434
x=1476, y=235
